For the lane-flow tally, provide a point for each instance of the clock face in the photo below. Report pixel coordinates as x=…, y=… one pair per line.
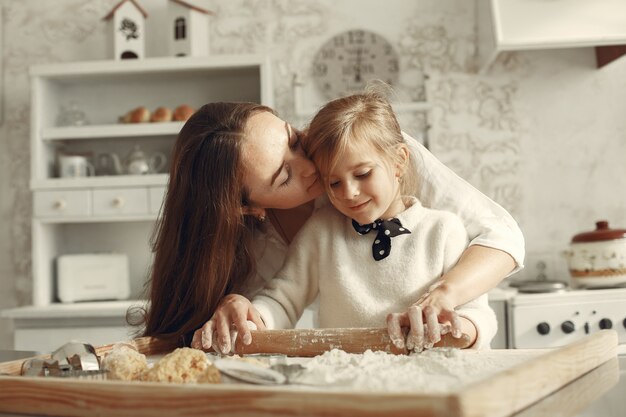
x=346, y=63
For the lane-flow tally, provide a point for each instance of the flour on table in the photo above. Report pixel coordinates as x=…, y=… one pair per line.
x=439, y=370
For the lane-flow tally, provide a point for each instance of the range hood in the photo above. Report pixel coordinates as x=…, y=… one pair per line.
x=520, y=25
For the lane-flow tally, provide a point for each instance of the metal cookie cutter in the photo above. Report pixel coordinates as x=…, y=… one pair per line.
x=78, y=360
x=80, y=356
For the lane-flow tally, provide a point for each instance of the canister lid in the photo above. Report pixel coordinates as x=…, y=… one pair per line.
x=602, y=232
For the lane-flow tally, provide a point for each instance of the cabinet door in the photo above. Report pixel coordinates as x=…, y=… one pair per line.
x=62, y=203
x=120, y=201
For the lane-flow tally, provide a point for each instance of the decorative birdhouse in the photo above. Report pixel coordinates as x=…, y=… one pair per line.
x=189, y=29
x=128, y=26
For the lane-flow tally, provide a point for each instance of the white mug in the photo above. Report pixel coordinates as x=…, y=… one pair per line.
x=75, y=166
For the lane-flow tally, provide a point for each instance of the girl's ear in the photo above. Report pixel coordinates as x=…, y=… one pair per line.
x=403, y=153
x=257, y=212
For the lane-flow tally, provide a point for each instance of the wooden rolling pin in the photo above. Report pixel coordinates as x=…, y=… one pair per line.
x=313, y=342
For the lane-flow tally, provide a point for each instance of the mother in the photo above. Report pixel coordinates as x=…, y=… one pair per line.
x=234, y=165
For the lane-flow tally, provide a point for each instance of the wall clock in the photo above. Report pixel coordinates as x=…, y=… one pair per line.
x=346, y=63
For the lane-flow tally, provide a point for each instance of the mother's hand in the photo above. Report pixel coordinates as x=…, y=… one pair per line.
x=430, y=317
x=230, y=319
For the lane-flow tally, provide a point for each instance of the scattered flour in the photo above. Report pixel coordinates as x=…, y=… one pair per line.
x=439, y=370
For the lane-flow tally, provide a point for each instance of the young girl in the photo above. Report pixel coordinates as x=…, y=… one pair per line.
x=376, y=250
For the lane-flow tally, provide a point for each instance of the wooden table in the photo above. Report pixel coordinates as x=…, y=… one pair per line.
x=504, y=394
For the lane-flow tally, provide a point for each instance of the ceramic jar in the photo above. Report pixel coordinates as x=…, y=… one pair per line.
x=597, y=259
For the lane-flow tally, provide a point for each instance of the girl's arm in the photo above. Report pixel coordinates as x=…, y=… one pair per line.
x=478, y=317
x=455, y=297
x=478, y=270
x=283, y=300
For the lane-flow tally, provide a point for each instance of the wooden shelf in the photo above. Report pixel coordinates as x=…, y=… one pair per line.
x=131, y=130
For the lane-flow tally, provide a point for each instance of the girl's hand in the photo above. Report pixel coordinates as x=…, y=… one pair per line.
x=230, y=319
x=439, y=302
x=430, y=317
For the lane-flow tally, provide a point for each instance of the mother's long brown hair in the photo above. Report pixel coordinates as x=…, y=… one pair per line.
x=202, y=240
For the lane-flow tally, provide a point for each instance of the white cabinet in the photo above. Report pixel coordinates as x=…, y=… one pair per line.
x=105, y=212
x=511, y=25
x=109, y=213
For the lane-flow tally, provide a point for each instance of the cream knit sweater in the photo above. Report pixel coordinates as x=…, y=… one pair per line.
x=330, y=259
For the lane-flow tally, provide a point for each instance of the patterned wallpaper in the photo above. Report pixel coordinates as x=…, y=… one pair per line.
x=476, y=133
x=495, y=130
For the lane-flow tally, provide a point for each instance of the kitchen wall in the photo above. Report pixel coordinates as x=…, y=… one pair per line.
x=543, y=132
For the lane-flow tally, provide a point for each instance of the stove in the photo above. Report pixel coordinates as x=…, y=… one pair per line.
x=556, y=319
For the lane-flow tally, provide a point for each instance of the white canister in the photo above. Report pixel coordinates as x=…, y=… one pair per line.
x=75, y=166
x=598, y=258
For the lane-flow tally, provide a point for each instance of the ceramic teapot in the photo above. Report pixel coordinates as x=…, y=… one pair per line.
x=598, y=258
x=136, y=163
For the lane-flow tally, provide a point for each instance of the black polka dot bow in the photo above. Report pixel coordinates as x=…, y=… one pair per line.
x=386, y=229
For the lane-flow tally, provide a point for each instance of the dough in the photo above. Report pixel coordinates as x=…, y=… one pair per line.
x=184, y=365
x=124, y=363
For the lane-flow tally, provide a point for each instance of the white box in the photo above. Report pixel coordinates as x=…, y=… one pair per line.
x=88, y=277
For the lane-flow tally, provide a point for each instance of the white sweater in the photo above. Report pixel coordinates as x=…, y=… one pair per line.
x=486, y=223
x=330, y=259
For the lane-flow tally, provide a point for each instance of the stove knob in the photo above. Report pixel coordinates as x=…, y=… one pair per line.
x=606, y=324
x=624, y=323
x=568, y=326
x=543, y=328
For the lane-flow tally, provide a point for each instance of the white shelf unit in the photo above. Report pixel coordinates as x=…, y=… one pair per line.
x=515, y=25
x=115, y=213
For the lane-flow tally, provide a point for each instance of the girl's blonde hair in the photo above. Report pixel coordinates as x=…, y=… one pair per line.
x=360, y=119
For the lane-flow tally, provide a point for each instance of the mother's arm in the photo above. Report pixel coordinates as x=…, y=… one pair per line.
x=487, y=223
x=496, y=242
x=496, y=246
